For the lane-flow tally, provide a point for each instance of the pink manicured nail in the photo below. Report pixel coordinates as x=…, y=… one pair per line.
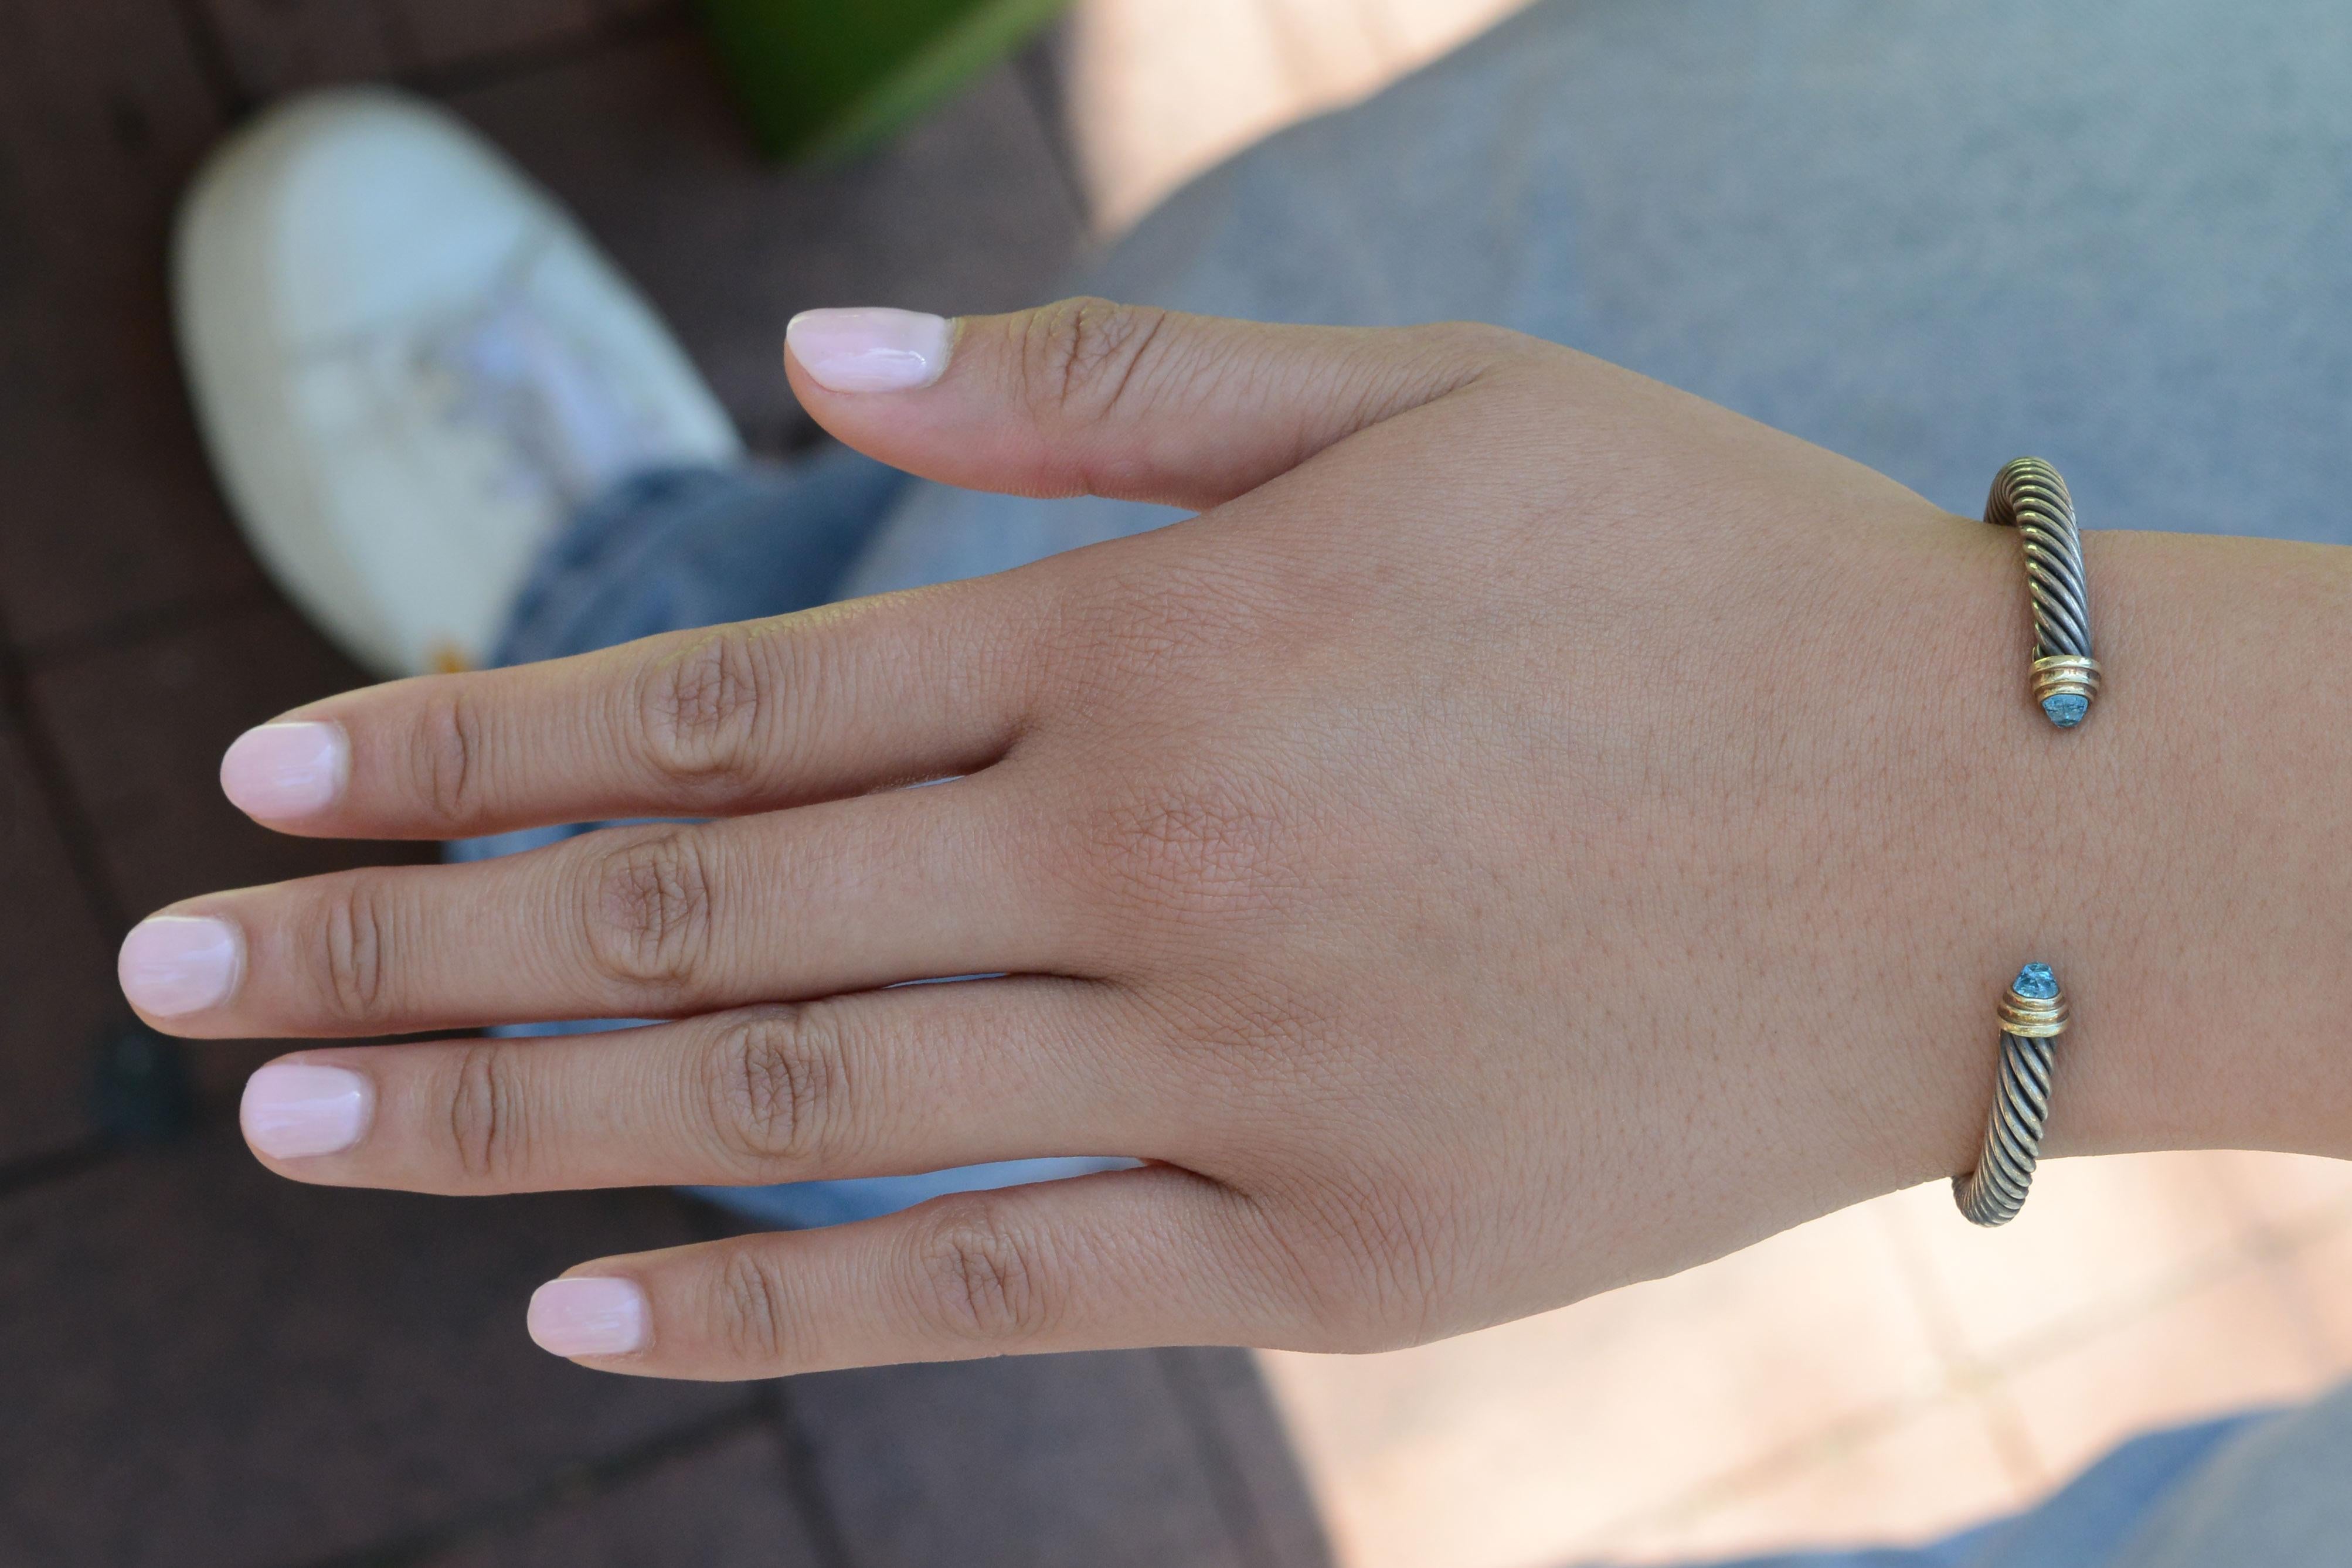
x=179, y=963
x=588, y=1317
x=291, y=1109
x=285, y=770
x=870, y=349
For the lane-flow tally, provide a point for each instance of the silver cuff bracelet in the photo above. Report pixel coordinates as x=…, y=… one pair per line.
x=2032, y=1016
x=2029, y=496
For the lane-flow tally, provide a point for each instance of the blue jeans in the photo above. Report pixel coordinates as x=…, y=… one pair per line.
x=1929, y=236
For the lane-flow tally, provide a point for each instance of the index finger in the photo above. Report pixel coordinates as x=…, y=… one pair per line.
x=720, y=721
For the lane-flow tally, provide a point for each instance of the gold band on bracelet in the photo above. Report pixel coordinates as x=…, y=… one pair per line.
x=2029, y=496
x=2032, y=1016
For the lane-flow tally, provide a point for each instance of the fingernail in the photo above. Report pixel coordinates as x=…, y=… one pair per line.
x=282, y=770
x=179, y=963
x=869, y=349
x=588, y=1317
x=291, y=1109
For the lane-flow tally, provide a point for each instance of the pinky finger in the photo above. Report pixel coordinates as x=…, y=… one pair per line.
x=1146, y=1256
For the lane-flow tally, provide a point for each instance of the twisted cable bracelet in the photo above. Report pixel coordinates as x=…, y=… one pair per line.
x=2029, y=496
x=2032, y=1017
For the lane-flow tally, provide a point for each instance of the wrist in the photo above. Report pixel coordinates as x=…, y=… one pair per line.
x=2183, y=860
x=2213, y=891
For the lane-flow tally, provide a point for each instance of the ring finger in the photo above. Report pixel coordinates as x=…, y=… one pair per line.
x=877, y=1083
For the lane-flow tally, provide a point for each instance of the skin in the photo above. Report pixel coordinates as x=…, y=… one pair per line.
x=1534, y=831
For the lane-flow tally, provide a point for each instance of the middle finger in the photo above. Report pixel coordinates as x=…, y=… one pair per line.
x=645, y=922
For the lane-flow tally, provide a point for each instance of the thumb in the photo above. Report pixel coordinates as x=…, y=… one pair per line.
x=1088, y=397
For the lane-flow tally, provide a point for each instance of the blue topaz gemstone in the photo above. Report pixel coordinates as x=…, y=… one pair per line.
x=2035, y=983
x=2066, y=709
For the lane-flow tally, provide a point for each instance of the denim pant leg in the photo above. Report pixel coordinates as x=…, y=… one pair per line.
x=680, y=548
x=676, y=548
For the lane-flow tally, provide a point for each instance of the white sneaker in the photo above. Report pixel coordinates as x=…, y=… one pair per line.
x=410, y=366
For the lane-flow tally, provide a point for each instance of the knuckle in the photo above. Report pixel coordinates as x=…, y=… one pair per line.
x=1079, y=357
x=749, y=1309
x=447, y=754
x=701, y=709
x=779, y=1076
x=977, y=1277
x=1188, y=847
x=486, y=1126
x=353, y=970
x=649, y=909
x=1369, y=1269
x=1132, y=643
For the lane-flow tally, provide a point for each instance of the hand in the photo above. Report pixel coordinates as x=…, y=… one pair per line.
x=1534, y=830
